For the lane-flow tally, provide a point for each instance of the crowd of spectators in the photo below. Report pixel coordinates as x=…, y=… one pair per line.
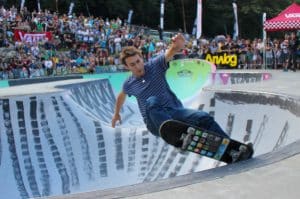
x=278, y=53
x=92, y=44
x=77, y=43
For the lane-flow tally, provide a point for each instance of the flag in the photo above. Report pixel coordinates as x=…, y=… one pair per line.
x=236, y=26
x=22, y=4
x=264, y=31
x=39, y=5
x=194, y=31
x=162, y=13
x=71, y=8
x=264, y=17
x=199, y=19
x=129, y=16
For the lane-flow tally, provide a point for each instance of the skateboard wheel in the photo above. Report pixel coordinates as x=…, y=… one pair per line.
x=243, y=148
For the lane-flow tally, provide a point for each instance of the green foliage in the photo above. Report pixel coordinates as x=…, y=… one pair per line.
x=217, y=14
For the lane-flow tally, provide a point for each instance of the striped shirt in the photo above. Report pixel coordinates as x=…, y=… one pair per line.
x=152, y=83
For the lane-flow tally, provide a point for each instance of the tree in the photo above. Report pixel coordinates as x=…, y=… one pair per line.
x=217, y=14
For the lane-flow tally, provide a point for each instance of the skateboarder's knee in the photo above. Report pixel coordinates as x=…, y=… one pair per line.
x=206, y=121
x=152, y=102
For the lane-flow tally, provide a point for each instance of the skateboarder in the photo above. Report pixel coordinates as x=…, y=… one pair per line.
x=157, y=103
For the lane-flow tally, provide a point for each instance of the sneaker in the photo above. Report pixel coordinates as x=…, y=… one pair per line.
x=244, y=153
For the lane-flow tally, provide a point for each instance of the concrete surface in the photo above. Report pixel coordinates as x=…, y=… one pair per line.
x=128, y=162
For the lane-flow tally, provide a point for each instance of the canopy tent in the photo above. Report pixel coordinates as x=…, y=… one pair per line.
x=288, y=19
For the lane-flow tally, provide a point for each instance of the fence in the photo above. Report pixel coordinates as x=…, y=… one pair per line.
x=59, y=71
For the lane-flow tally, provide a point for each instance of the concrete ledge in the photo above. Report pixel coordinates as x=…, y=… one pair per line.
x=185, y=180
x=18, y=82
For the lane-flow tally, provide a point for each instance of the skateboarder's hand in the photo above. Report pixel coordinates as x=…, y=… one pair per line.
x=114, y=120
x=178, y=42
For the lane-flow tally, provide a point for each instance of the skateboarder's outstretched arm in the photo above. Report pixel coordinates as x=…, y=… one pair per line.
x=119, y=103
x=177, y=44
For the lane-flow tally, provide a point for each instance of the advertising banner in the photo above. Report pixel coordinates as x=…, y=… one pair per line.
x=20, y=35
x=223, y=59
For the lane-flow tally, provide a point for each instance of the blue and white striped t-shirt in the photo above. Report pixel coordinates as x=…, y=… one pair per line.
x=153, y=83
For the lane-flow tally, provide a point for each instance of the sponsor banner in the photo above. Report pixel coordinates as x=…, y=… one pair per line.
x=20, y=35
x=162, y=13
x=236, y=24
x=199, y=19
x=223, y=59
x=292, y=15
x=129, y=16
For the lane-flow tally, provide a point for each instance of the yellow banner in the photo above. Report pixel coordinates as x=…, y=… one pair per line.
x=223, y=59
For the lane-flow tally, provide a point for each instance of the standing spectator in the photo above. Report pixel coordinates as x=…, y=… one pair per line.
x=145, y=49
x=117, y=42
x=213, y=47
x=194, y=54
x=49, y=66
x=151, y=48
x=35, y=51
x=269, y=56
x=111, y=46
x=293, y=47
x=277, y=55
x=285, y=53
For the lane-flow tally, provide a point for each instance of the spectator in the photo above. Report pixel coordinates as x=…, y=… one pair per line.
x=293, y=48
x=82, y=37
x=49, y=66
x=285, y=53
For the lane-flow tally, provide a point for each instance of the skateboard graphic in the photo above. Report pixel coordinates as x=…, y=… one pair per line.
x=203, y=142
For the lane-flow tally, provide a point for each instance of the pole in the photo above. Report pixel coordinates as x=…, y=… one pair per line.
x=162, y=13
x=264, y=41
x=87, y=9
x=183, y=15
x=235, y=26
x=199, y=19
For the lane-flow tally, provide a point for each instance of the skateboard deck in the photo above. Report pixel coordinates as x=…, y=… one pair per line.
x=203, y=142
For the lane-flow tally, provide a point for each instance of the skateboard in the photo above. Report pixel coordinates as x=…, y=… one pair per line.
x=203, y=142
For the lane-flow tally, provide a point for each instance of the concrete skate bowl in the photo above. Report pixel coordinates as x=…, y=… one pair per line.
x=60, y=144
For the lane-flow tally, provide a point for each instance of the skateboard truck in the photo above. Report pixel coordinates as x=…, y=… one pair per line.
x=187, y=138
x=243, y=153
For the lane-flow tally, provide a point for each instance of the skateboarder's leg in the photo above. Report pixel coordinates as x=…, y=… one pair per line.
x=156, y=115
x=198, y=118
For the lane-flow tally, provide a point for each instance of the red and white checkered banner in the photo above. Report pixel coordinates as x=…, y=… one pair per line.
x=288, y=19
x=281, y=25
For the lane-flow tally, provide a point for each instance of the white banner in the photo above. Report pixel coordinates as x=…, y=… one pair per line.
x=194, y=31
x=264, y=18
x=236, y=24
x=39, y=6
x=162, y=13
x=129, y=16
x=22, y=4
x=199, y=19
x=263, y=21
x=71, y=8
